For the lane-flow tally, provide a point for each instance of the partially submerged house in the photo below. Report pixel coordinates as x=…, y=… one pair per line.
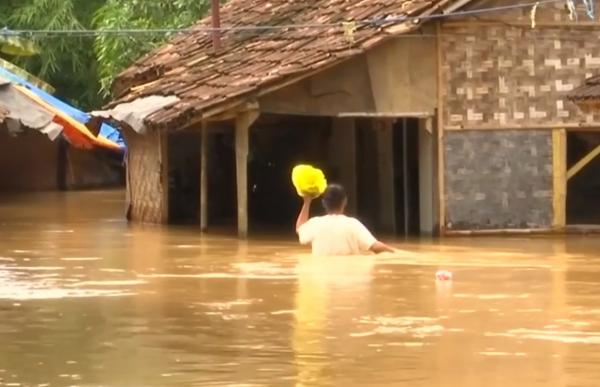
x=443, y=116
x=35, y=133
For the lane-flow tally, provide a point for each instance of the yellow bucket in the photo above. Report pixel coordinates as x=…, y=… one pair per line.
x=308, y=181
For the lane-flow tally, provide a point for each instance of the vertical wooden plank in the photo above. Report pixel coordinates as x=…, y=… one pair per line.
x=559, y=168
x=405, y=178
x=440, y=133
x=385, y=166
x=163, y=161
x=61, y=165
x=426, y=180
x=242, y=133
x=204, y=148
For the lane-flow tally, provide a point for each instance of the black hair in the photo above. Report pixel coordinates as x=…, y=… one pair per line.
x=333, y=198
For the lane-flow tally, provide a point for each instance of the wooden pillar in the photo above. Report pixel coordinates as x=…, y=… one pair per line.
x=426, y=178
x=61, y=168
x=441, y=82
x=204, y=148
x=243, y=122
x=343, y=151
x=385, y=167
x=559, y=180
x=163, y=160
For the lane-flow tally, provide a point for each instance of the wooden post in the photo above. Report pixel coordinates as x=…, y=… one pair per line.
x=204, y=147
x=559, y=180
x=575, y=169
x=242, y=131
x=426, y=179
x=385, y=166
x=61, y=169
x=440, y=134
x=163, y=160
x=405, y=178
x=216, y=24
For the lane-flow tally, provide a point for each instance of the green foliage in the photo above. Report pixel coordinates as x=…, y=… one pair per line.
x=115, y=52
x=82, y=68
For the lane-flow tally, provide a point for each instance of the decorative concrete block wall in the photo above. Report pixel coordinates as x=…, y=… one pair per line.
x=498, y=179
x=503, y=76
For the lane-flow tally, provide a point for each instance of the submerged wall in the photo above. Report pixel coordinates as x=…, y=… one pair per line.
x=146, y=194
x=498, y=180
x=504, y=112
x=28, y=162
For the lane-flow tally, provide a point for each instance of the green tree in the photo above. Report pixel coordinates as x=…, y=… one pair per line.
x=66, y=62
x=80, y=67
x=116, y=52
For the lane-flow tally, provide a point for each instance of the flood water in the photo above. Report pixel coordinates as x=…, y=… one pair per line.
x=87, y=300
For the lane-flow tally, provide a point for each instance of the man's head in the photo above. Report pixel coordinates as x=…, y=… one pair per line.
x=334, y=199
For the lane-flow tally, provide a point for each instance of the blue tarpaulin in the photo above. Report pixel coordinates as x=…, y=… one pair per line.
x=107, y=131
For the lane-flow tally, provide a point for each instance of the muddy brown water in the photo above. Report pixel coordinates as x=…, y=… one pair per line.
x=87, y=300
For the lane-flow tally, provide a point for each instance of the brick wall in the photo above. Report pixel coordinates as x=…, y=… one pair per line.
x=498, y=179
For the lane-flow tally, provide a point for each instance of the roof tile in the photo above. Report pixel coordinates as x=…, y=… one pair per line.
x=248, y=60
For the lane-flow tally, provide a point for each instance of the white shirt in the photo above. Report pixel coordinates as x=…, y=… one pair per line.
x=336, y=235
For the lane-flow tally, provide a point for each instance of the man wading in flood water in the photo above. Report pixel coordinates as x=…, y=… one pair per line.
x=335, y=233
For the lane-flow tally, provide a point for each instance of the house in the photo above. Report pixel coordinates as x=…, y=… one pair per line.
x=439, y=116
x=35, y=130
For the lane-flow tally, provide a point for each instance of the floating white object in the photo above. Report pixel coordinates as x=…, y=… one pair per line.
x=443, y=275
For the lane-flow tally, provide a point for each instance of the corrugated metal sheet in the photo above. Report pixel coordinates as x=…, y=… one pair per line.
x=22, y=113
x=134, y=113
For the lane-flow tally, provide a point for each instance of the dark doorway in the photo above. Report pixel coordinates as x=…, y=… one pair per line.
x=184, y=178
x=583, y=189
x=222, y=201
x=277, y=144
x=402, y=143
x=406, y=176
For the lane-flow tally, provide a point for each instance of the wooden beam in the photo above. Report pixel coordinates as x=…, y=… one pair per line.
x=440, y=134
x=575, y=169
x=455, y=6
x=426, y=178
x=242, y=136
x=204, y=149
x=385, y=166
x=502, y=22
x=387, y=114
x=591, y=126
x=507, y=231
x=559, y=170
x=163, y=160
x=405, y=177
x=231, y=114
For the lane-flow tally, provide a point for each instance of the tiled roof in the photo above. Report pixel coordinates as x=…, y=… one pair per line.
x=588, y=91
x=251, y=61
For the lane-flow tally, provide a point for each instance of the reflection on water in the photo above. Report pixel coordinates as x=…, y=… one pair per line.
x=86, y=299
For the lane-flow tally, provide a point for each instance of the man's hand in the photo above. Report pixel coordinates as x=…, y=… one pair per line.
x=304, y=212
x=380, y=247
